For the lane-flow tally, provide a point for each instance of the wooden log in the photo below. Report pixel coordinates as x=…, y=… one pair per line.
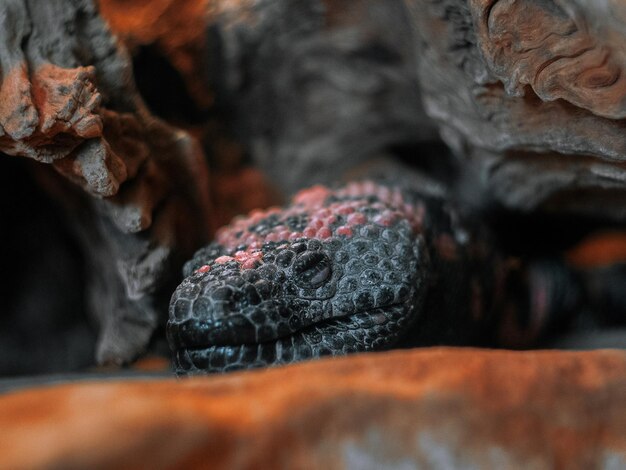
x=67, y=98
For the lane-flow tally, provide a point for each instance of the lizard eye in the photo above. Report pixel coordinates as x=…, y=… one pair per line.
x=311, y=269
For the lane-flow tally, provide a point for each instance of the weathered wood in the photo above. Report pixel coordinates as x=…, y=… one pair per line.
x=531, y=96
x=314, y=88
x=67, y=98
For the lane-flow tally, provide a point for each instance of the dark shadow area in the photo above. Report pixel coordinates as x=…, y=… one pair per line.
x=43, y=328
x=164, y=90
x=538, y=234
x=433, y=158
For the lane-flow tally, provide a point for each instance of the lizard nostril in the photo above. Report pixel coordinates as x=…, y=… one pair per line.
x=311, y=269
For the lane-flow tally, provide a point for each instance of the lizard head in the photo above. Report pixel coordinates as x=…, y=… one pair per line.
x=337, y=271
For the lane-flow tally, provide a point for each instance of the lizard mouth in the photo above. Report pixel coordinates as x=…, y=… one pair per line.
x=363, y=331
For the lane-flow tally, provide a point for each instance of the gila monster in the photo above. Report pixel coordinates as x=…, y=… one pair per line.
x=366, y=266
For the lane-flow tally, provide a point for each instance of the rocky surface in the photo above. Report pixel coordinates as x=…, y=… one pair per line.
x=431, y=408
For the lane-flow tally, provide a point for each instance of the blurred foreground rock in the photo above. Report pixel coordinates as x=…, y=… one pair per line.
x=435, y=408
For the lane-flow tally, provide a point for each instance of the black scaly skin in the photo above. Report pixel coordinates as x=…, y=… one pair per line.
x=419, y=277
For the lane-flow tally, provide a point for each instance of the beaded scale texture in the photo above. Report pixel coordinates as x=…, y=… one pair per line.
x=362, y=267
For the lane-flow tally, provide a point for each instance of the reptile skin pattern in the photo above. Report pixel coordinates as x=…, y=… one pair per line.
x=362, y=267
